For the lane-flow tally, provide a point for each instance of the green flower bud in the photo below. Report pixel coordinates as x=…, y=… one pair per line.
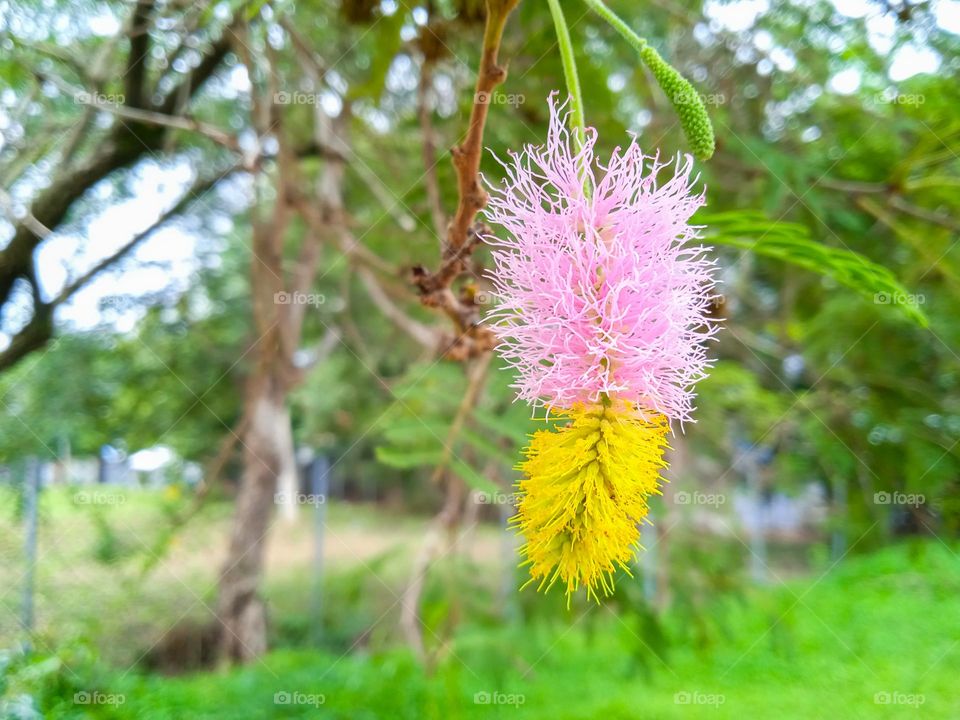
x=685, y=100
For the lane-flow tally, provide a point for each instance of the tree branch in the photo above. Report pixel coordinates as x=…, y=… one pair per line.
x=471, y=338
x=38, y=331
x=193, y=193
x=854, y=186
x=28, y=220
x=929, y=216
x=476, y=374
x=893, y=199
x=327, y=218
x=152, y=117
x=416, y=330
x=135, y=77
x=173, y=103
x=119, y=149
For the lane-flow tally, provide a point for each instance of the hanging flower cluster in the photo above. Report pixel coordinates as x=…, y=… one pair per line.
x=602, y=310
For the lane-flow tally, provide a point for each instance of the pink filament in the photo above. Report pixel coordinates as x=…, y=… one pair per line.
x=605, y=292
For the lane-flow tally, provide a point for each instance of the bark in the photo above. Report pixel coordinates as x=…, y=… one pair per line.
x=267, y=451
x=288, y=485
x=268, y=443
x=241, y=610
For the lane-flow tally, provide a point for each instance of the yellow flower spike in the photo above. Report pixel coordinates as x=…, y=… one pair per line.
x=585, y=493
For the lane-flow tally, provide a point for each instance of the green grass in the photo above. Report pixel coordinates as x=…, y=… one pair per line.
x=109, y=574
x=831, y=645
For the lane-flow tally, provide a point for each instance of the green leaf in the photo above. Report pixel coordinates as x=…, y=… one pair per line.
x=405, y=459
x=791, y=242
x=513, y=427
x=383, y=41
x=416, y=431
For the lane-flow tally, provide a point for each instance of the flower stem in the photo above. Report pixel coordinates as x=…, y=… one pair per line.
x=569, y=73
x=601, y=9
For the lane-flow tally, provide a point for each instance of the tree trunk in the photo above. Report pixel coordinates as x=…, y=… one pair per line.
x=241, y=611
x=269, y=463
x=288, y=478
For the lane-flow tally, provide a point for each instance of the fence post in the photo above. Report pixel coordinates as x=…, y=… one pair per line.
x=838, y=538
x=757, y=531
x=31, y=489
x=319, y=474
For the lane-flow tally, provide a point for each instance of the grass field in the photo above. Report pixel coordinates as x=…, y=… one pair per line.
x=109, y=575
x=876, y=636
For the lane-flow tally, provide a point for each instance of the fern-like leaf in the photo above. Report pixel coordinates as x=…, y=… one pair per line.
x=791, y=242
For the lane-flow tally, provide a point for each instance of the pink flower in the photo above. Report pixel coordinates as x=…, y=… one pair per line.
x=604, y=292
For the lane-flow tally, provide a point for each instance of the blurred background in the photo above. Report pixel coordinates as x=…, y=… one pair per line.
x=256, y=457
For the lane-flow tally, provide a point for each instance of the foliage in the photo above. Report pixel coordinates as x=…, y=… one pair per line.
x=482, y=452
x=791, y=242
x=833, y=645
x=172, y=381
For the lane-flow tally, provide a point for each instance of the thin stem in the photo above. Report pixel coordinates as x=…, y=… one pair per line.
x=601, y=9
x=569, y=73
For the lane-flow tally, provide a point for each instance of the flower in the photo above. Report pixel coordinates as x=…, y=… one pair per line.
x=603, y=313
x=585, y=494
x=600, y=293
